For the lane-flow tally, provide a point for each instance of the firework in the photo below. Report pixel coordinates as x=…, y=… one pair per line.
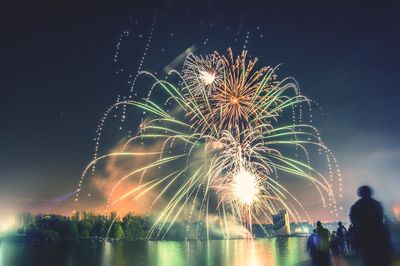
x=202, y=74
x=223, y=146
x=237, y=100
x=242, y=98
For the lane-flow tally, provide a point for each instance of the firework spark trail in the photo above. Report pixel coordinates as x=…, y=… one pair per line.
x=99, y=130
x=223, y=140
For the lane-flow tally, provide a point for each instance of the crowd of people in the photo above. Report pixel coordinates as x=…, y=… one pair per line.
x=367, y=237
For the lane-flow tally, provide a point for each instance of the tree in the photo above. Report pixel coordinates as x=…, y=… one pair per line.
x=72, y=232
x=117, y=231
x=99, y=227
x=51, y=235
x=33, y=232
x=84, y=229
x=133, y=227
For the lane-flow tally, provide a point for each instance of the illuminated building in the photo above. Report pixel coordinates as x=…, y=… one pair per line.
x=281, y=223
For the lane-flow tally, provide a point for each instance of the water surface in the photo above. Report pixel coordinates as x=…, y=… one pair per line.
x=285, y=251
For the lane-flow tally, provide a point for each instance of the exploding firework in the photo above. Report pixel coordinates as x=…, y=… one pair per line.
x=202, y=74
x=221, y=148
x=239, y=100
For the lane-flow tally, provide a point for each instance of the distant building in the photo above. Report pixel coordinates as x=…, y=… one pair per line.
x=281, y=223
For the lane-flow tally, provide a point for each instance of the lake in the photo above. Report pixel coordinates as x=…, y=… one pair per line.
x=284, y=251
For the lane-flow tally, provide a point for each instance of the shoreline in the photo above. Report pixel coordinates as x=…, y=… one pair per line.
x=111, y=240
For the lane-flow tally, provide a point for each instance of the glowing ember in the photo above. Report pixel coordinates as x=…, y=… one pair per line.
x=234, y=100
x=245, y=187
x=207, y=78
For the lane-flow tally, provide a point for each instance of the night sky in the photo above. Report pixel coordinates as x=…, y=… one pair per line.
x=58, y=76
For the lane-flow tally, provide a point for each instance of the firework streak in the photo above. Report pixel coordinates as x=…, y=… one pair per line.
x=222, y=145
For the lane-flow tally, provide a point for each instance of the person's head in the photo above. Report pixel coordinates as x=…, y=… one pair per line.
x=340, y=223
x=318, y=223
x=364, y=192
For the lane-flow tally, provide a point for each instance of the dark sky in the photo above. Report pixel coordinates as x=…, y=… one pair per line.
x=58, y=76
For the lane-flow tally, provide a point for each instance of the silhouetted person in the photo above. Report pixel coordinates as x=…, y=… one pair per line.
x=370, y=235
x=334, y=244
x=351, y=240
x=311, y=246
x=341, y=235
x=322, y=246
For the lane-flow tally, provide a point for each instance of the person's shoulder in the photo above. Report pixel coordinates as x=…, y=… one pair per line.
x=359, y=202
x=356, y=204
x=376, y=202
x=365, y=203
x=326, y=231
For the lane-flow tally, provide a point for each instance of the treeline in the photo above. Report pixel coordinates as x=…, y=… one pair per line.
x=85, y=226
x=54, y=227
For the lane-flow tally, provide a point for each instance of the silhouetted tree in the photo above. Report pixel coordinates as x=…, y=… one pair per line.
x=72, y=231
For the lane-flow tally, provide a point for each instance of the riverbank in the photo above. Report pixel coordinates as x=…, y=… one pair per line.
x=289, y=251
